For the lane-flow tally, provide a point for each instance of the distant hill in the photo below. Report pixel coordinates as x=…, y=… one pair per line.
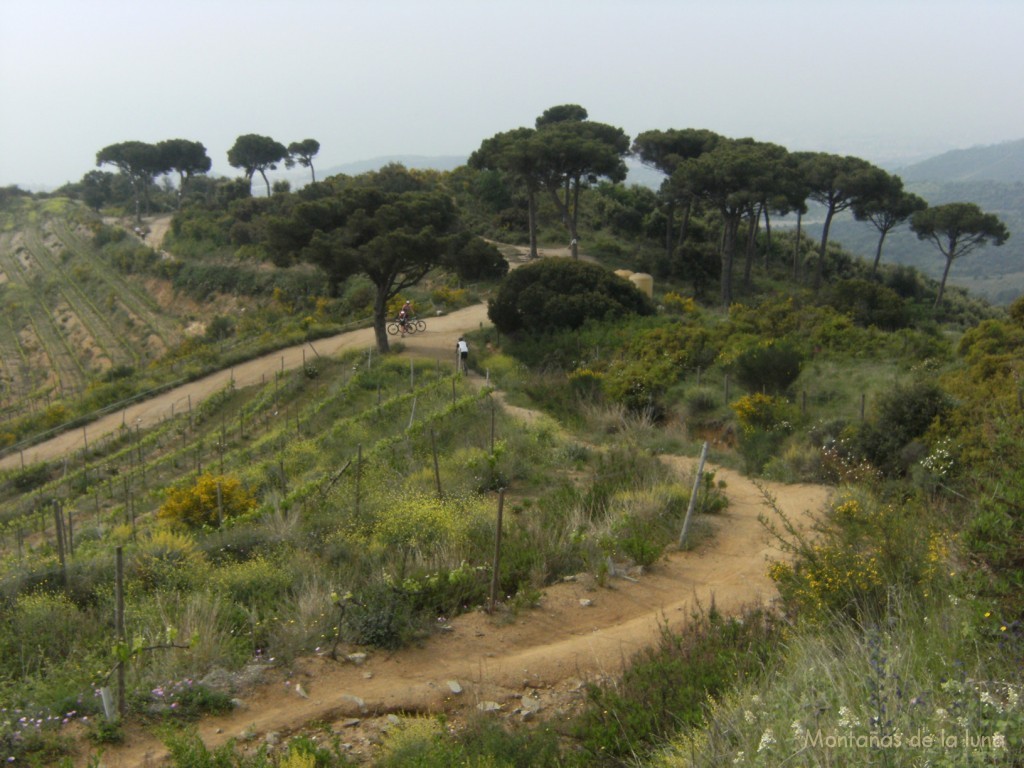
x=997, y=162
x=990, y=176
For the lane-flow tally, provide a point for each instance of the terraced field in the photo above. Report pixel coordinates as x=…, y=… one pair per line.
x=127, y=297
x=69, y=314
x=30, y=312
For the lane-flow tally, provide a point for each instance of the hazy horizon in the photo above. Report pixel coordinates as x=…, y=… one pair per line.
x=888, y=81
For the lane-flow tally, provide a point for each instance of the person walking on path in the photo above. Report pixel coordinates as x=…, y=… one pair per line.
x=462, y=347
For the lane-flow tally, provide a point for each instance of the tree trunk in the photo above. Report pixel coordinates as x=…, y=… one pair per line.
x=569, y=221
x=748, y=265
x=820, y=271
x=942, y=284
x=796, y=245
x=531, y=218
x=380, y=322
x=181, y=188
x=730, y=228
x=684, y=225
x=265, y=181
x=767, y=237
x=575, y=241
x=878, y=252
x=670, y=228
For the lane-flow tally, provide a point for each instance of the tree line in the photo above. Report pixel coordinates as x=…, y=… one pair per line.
x=741, y=182
x=140, y=163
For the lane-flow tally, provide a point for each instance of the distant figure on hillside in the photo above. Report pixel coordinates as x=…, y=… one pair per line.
x=463, y=349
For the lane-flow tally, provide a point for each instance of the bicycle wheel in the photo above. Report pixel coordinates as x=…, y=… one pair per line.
x=420, y=326
x=410, y=328
x=393, y=329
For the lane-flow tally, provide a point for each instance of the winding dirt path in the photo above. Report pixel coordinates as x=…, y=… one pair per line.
x=532, y=664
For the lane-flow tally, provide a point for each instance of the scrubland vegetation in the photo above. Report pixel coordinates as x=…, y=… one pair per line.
x=353, y=499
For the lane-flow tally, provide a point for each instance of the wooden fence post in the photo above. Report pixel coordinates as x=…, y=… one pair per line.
x=220, y=505
x=496, y=568
x=359, y=472
x=58, y=525
x=437, y=471
x=119, y=626
x=693, y=495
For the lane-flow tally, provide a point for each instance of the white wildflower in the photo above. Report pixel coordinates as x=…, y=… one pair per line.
x=990, y=700
x=940, y=713
x=767, y=739
x=847, y=719
x=798, y=729
x=998, y=741
x=749, y=716
x=738, y=760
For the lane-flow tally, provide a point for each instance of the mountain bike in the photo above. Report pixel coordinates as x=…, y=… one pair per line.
x=412, y=325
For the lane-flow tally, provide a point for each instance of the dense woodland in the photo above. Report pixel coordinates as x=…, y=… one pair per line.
x=348, y=500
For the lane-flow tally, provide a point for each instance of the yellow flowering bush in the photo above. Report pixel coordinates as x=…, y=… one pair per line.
x=831, y=580
x=450, y=297
x=860, y=550
x=760, y=412
x=678, y=304
x=586, y=382
x=196, y=505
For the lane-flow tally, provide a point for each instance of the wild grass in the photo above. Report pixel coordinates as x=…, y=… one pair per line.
x=921, y=686
x=347, y=500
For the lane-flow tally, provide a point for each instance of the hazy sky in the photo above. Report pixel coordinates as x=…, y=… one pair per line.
x=882, y=79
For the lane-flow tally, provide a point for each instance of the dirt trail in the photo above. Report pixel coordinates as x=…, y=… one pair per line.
x=437, y=342
x=530, y=665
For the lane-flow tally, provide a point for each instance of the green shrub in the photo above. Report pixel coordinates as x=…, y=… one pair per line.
x=869, y=303
x=482, y=743
x=639, y=538
x=903, y=416
x=552, y=294
x=179, y=700
x=31, y=477
x=167, y=560
x=379, y=616
x=768, y=366
x=258, y=584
